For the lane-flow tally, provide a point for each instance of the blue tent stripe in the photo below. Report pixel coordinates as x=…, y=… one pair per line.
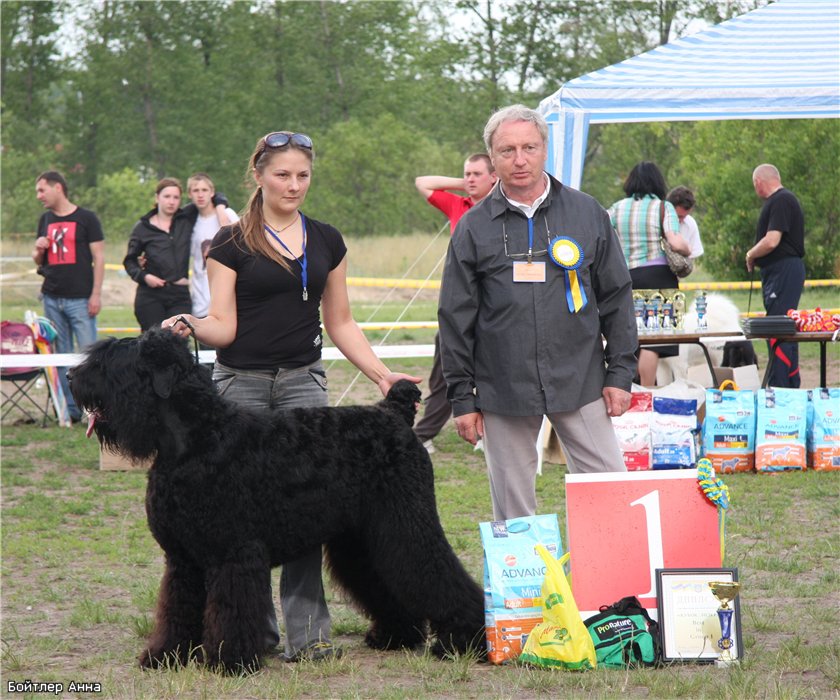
x=779, y=61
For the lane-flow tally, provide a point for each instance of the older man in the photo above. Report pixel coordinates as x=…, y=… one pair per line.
x=778, y=252
x=534, y=278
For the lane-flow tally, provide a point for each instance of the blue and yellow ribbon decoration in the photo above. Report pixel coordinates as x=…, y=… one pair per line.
x=567, y=253
x=717, y=492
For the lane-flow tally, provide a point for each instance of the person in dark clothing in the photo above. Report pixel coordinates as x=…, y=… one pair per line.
x=778, y=251
x=162, y=237
x=70, y=254
x=479, y=178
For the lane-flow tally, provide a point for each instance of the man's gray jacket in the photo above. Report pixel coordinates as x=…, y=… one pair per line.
x=514, y=348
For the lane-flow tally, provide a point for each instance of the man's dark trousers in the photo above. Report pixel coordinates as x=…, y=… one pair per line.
x=781, y=285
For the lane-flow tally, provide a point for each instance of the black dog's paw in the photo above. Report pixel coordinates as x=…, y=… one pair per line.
x=152, y=659
x=377, y=638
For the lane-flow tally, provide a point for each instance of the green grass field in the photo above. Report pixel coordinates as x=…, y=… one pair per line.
x=80, y=573
x=80, y=570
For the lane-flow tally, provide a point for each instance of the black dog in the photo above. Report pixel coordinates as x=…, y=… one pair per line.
x=738, y=353
x=233, y=493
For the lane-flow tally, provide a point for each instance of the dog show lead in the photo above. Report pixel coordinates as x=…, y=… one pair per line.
x=272, y=276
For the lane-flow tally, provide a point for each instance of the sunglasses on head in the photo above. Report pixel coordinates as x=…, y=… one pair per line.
x=278, y=139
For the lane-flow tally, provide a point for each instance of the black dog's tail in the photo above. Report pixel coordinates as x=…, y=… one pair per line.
x=403, y=399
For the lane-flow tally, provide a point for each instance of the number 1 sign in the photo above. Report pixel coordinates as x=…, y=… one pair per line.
x=623, y=526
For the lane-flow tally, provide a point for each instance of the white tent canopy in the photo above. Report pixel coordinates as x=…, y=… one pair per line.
x=781, y=61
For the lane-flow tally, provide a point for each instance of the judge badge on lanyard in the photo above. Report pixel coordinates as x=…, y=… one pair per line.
x=566, y=253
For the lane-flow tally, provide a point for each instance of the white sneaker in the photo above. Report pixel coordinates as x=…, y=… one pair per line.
x=430, y=448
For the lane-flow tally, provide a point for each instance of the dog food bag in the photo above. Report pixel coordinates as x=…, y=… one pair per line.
x=513, y=577
x=673, y=427
x=632, y=429
x=729, y=430
x=781, y=422
x=823, y=429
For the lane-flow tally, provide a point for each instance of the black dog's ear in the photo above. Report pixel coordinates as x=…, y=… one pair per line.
x=163, y=379
x=165, y=355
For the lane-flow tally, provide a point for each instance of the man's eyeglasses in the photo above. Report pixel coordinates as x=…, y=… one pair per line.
x=532, y=254
x=278, y=139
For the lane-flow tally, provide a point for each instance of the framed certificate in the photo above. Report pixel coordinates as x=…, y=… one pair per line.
x=688, y=618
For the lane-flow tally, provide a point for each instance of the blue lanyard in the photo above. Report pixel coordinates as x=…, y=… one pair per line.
x=530, y=237
x=301, y=260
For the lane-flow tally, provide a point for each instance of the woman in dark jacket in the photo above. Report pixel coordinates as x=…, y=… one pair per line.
x=162, y=238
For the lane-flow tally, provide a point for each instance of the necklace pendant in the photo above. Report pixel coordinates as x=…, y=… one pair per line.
x=305, y=294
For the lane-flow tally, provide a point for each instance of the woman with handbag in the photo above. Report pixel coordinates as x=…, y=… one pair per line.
x=646, y=224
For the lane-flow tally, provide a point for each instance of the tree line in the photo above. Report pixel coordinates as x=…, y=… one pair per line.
x=117, y=94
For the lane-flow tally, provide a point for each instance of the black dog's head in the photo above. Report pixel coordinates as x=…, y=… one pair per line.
x=122, y=383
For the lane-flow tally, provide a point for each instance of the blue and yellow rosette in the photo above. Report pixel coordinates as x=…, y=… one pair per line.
x=566, y=252
x=717, y=492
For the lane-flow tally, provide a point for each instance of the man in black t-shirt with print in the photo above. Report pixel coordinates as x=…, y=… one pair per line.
x=70, y=254
x=778, y=252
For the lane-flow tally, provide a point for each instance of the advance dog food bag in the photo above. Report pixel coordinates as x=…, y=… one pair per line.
x=672, y=430
x=632, y=429
x=729, y=430
x=781, y=422
x=823, y=430
x=513, y=578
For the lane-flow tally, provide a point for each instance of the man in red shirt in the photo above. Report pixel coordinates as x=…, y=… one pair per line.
x=479, y=178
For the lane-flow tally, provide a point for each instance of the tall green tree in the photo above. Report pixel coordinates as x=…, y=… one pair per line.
x=28, y=73
x=366, y=186
x=723, y=155
x=27, y=58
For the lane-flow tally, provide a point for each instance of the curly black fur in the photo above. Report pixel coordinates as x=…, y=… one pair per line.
x=232, y=493
x=738, y=353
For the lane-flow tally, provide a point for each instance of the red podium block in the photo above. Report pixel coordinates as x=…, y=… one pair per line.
x=621, y=527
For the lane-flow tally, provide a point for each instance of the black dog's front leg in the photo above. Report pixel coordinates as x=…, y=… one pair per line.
x=236, y=616
x=178, y=627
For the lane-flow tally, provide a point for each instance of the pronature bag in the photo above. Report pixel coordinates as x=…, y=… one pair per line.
x=729, y=430
x=624, y=635
x=781, y=423
x=632, y=428
x=513, y=578
x=823, y=429
x=673, y=426
x=561, y=639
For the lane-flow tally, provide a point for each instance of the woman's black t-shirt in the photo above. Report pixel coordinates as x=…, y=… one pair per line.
x=274, y=327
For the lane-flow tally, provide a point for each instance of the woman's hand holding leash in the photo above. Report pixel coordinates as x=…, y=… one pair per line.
x=179, y=325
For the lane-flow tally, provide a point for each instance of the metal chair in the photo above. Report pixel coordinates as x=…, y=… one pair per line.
x=19, y=384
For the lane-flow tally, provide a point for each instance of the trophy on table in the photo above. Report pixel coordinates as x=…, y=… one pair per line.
x=679, y=309
x=725, y=592
x=639, y=311
x=700, y=305
x=668, y=314
x=652, y=310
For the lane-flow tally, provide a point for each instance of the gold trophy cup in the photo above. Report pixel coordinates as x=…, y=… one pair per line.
x=725, y=592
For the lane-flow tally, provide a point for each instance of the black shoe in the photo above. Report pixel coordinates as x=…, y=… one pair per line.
x=320, y=651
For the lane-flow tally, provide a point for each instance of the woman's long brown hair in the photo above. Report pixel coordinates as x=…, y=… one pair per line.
x=251, y=226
